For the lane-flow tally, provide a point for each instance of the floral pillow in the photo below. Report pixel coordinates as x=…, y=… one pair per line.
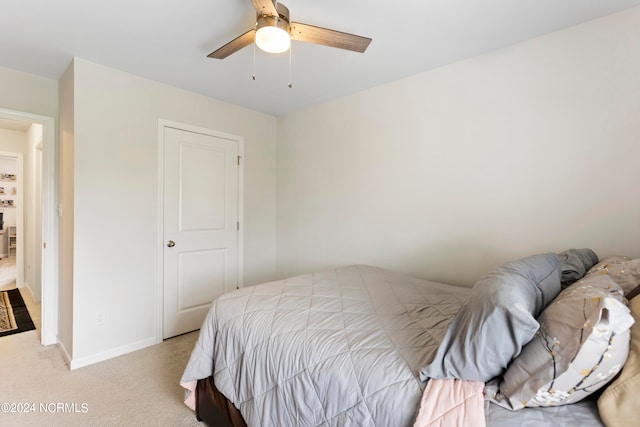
x=625, y=271
x=582, y=344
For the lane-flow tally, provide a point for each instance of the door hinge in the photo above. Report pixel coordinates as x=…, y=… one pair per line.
x=238, y=160
x=238, y=225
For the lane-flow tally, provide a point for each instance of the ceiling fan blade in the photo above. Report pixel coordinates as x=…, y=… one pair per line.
x=234, y=45
x=333, y=38
x=264, y=7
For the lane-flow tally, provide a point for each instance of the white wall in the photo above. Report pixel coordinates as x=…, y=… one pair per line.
x=449, y=173
x=37, y=96
x=12, y=140
x=32, y=212
x=28, y=93
x=114, y=156
x=65, y=222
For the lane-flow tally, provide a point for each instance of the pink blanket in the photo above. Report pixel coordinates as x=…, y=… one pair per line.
x=452, y=403
x=190, y=398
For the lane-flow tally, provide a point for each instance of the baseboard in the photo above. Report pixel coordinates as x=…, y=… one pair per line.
x=65, y=353
x=110, y=354
x=33, y=297
x=26, y=286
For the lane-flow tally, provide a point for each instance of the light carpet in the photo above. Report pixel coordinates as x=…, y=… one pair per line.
x=137, y=389
x=7, y=273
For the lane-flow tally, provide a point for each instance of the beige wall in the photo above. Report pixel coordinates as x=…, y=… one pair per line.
x=33, y=210
x=65, y=202
x=28, y=93
x=115, y=158
x=38, y=98
x=449, y=173
x=12, y=140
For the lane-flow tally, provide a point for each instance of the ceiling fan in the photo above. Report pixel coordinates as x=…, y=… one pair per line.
x=273, y=33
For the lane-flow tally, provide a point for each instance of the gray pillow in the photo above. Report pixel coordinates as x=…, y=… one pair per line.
x=575, y=264
x=497, y=320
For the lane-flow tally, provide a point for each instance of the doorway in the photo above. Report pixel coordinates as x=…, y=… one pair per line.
x=12, y=210
x=38, y=227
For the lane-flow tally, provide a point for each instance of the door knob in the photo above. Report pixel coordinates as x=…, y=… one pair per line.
x=171, y=243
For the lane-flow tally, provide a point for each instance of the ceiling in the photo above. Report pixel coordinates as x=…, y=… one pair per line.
x=168, y=41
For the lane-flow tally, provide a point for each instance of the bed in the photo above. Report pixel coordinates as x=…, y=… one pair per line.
x=357, y=346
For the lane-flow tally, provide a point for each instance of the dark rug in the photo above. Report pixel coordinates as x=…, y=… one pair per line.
x=14, y=316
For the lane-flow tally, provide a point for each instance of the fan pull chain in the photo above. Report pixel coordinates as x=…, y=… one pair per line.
x=253, y=76
x=290, y=49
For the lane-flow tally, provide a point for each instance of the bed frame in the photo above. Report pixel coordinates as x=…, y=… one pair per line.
x=213, y=408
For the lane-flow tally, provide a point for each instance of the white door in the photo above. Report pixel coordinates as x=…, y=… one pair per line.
x=200, y=225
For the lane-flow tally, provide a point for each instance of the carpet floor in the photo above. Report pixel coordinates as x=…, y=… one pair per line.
x=137, y=389
x=7, y=273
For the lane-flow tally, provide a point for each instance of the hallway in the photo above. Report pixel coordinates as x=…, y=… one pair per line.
x=7, y=273
x=8, y=281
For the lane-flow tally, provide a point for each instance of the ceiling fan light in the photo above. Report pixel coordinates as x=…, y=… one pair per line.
x=273, y=39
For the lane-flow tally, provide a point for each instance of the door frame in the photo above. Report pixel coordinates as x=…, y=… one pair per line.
x=159, y=294
x=49, y=224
